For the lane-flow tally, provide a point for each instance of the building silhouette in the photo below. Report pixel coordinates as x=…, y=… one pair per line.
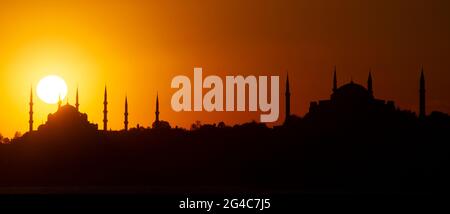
x=354, y=101
x=334, y=80
x=77, y=104
x=350, y=101
x=71, y=114
x=125, y=121
x=31, y=110
x=69, y=119
x=287, y=95
x=422, y=111
x=105, y=111
x=158, y=124
x=157, y=109
x=59, y=101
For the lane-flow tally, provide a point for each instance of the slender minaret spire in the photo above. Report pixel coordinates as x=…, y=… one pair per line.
x=31, y=109
x=77, y=104
x=369, y=84
x=125, y=122
x=59, y=101
x=288, y=99
x=334, y=80
x=105, y=111
x=422, y=112
x=157, y=108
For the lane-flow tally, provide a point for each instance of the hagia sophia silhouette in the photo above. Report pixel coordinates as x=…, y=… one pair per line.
x=352, y=100
x=345, y=101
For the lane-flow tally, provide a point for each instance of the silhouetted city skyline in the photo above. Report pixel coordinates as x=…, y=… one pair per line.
x=123, y=105
x=342, y=92
x=352, y=141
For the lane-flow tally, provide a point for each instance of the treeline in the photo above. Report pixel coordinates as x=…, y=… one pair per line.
x=302, y=155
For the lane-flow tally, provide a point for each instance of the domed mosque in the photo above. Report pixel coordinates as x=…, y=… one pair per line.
x=349, y=102
x=68, y=117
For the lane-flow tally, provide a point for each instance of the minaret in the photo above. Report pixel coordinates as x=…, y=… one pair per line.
x=288, y=99
x=31, y=110
x=157, y=108
x=369, y=84
x=105, y=112
x=77, y=104
x=334, y=80
x=125, y=122
x=422, y=112
x=59, y=101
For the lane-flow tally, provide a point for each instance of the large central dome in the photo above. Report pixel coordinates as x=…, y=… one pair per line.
x=350, y=91
x=67, y=109
x=68, y=113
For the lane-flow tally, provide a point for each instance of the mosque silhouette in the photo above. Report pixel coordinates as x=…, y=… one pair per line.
x=70, y=117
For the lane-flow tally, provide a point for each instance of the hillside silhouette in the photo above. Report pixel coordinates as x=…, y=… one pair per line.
x=352, y=142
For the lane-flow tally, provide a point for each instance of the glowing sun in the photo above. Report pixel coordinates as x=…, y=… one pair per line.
x=51, y=88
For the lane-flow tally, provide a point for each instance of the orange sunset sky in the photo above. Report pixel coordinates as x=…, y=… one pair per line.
x=137, y=47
